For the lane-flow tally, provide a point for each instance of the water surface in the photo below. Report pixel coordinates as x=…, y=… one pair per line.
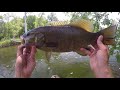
x=65, y=65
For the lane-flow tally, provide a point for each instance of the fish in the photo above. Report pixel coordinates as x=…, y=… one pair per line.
x=68, y=37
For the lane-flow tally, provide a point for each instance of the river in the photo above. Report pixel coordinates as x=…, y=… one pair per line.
x=65, y=65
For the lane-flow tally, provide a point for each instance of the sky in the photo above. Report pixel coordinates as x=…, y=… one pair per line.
x=60, y=15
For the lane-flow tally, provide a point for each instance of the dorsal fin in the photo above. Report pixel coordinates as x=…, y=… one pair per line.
x=85, y=24
x=58, y=23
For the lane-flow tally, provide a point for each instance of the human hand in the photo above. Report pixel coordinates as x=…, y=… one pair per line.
x=99, y=59
x=25, y=62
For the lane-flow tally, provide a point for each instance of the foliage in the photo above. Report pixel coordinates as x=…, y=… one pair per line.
x=52, y=17
x=31, y=22
x=2, y=27
x=16, y=26
x=6, y=43
x=40, y=21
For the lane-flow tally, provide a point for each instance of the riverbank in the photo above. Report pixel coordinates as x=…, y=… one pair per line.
x=10, y=42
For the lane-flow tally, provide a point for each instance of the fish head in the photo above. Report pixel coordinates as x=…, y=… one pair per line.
x=28, y=38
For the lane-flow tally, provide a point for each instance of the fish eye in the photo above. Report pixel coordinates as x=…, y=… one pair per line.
x=28, y=34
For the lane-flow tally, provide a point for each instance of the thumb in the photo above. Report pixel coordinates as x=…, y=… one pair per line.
x=99, y=42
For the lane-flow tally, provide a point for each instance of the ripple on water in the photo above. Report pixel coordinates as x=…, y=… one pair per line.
x=48, y=68
x=71, y=73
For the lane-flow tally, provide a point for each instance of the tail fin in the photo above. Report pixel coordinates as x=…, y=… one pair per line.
x=109, y=35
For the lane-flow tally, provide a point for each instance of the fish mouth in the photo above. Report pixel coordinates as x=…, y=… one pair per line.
x=22, y=40
x=26, y=41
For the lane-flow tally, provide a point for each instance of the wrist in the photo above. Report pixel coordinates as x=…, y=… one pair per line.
x=22, y=76
x=104, y=72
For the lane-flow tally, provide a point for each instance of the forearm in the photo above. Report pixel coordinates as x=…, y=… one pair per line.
x=19, y=74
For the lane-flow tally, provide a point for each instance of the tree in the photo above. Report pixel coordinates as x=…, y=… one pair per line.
x=98, y=19
x=16, y=27
x=7, y=17
x=78, y=15
x=2, y=27
x=7, y=31
x=40, y=20
x=31, y=22
x=52, y=17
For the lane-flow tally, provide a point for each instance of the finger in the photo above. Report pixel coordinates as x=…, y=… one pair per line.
x=99, y=42
x=24, y=51
x=20, y=50
x=85, y=51
x=32, y=63
x=92, y=50
x=33, y=51
x=90, y=46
